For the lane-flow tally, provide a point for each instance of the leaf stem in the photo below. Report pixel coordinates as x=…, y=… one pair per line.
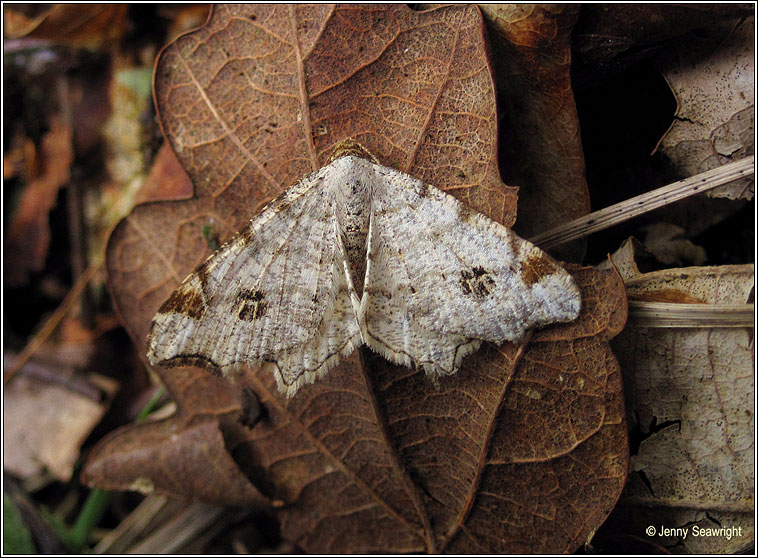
x=89, y=517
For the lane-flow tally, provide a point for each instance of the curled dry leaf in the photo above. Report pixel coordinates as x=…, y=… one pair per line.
x=712, y=75
x=201, y=437
x=523, y=450
x=532, y=55
x=690, y=391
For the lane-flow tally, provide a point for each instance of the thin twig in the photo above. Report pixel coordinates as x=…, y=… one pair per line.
x=36, y=342
x=634, y=207
x=671, y=314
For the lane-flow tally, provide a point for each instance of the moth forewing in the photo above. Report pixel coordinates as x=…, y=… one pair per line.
x=436, y=280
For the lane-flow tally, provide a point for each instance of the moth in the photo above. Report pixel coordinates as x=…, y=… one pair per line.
x=357, y=254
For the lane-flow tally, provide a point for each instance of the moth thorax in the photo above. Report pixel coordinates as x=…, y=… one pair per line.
x=353, y=217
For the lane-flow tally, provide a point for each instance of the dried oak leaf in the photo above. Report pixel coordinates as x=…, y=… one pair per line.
x=524, y=449
x=691, y=391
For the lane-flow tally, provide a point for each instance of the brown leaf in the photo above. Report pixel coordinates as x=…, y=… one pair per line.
x=28, y=232
x=207, y=472
x=532, y=54
x=202, y=437
x=81, y=25
x=690, y=391
x=372, y=457
x=712, y=75
x=361, y=462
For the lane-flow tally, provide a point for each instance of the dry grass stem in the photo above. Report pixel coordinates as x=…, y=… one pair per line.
x=132, y=527
x=636, y=206
x=185, y=527
x=52, y=322
x=668, y=314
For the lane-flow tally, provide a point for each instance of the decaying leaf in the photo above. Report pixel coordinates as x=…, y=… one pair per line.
x=523, y=450
x=690, y=393
x=532, y=56
x=663, y=240
x=47, y=415
x=712, y=74
x=146, y=458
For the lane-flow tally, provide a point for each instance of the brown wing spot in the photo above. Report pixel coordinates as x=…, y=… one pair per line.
x=246, y=234
x=535, y=267
x=476, y=282
x=251, y=305
x=187, y=300
x=202, y=274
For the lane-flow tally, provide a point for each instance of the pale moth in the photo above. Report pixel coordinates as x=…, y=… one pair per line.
x=357, y=253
